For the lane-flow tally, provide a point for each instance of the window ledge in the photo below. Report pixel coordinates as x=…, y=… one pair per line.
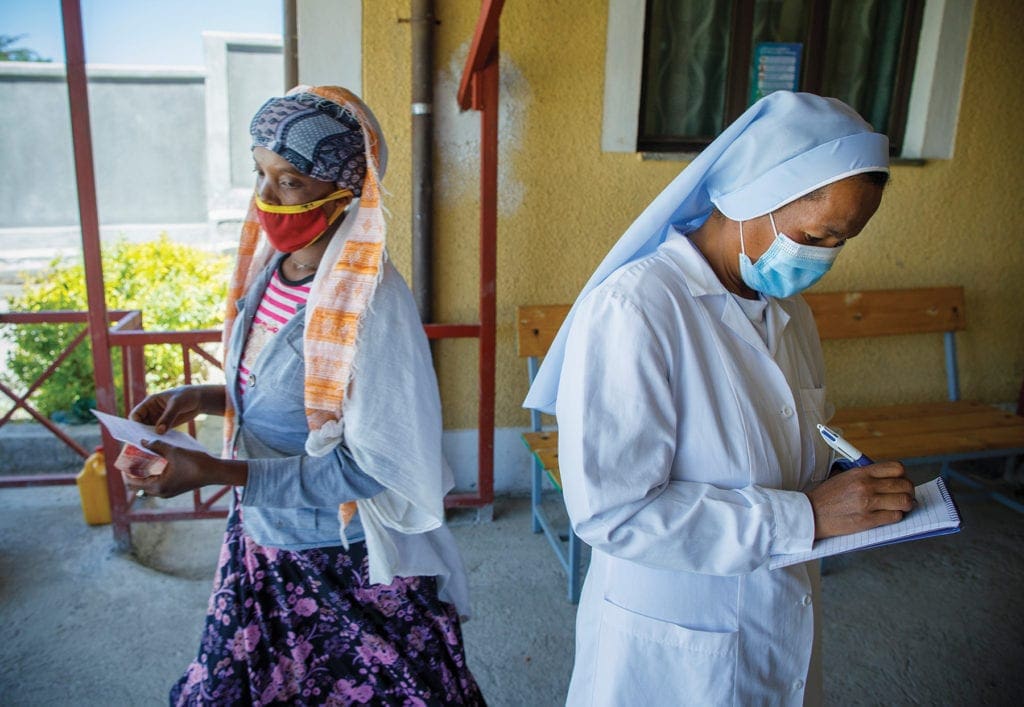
x=688, y=157
x=667, y=156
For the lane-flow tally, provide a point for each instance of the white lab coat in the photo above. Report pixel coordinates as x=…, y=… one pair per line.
x=684, y=442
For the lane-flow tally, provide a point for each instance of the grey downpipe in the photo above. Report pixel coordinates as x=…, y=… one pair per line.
x=291, y=45
x=422, y=24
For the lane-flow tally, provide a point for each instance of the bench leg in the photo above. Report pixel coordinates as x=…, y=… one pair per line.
x=1010, y=470
x=574, y=567
x=949, y=473
x=944, y=471
x=535, y=491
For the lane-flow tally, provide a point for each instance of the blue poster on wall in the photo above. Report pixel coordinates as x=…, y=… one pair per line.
x=775, y=67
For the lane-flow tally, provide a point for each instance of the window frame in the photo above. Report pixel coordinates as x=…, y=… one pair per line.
x=812, y=74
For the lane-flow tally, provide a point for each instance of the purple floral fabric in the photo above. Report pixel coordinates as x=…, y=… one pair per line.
x=308, y=628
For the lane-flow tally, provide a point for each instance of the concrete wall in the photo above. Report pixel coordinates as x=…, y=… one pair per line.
x=147, y=140
x=242, y=71
x=564, y=202
x=160, y=162
x=331, y=43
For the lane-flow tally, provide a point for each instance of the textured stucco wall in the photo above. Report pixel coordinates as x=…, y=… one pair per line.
x=563, y=202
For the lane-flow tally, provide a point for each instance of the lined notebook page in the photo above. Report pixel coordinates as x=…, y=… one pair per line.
x=935, y=514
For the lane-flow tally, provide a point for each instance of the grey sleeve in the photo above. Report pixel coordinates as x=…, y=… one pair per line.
x=307, y=482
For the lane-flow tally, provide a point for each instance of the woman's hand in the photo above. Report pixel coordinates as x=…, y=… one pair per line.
x=186, y=470
x=178, y=406
x=861, y=498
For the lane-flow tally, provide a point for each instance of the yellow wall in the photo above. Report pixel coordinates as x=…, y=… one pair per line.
x=563, y=202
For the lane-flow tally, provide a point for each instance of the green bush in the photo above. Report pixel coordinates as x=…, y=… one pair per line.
x=177, y=287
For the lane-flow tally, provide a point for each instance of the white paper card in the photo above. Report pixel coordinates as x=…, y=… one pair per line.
x=134, y=432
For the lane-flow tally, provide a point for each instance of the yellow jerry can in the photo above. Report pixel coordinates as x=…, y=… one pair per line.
x=92, y=487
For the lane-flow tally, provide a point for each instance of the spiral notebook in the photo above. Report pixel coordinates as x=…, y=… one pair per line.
x=935, y=514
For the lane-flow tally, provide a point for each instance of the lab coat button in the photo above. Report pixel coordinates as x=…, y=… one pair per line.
x=806, y=601
x=252, y=380
x=787, y=411
x=798, y=685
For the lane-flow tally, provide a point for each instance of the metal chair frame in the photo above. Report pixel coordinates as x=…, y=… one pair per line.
x=566, y=545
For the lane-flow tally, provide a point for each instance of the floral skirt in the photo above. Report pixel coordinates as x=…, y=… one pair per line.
x=307, y=628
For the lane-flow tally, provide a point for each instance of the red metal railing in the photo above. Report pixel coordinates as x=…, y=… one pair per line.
x=128, y=335
x=132, y=340
x=22, y=401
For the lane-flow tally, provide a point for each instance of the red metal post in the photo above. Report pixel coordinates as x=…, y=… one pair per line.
x=488, y=269
x=106, y=398
x=479, y=90
x=133, y=361
x=485, y=41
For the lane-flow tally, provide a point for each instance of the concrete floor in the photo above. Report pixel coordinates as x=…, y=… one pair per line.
x=934, y=622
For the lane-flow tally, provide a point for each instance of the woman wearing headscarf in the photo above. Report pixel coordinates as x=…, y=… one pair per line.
x=338, y=581
x=688, y=381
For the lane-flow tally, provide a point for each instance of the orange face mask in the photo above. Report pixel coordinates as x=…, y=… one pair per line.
x=292, y=228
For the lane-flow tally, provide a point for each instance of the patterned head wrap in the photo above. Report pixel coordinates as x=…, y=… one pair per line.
x=783, y=147
x=317, y=136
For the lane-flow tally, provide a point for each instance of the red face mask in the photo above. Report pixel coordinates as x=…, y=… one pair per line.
x=292, y=228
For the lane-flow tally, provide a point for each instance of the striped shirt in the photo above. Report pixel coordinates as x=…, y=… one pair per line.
x=281, y=300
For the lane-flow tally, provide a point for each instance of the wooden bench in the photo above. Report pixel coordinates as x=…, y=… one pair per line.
x=536, y=328
x=934, y=432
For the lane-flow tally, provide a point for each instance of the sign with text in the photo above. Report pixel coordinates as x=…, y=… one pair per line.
x=775, y=67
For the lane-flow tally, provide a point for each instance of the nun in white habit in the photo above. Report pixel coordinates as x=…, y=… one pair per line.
x=687, y=381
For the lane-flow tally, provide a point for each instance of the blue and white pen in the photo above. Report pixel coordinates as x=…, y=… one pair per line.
x=851, y=456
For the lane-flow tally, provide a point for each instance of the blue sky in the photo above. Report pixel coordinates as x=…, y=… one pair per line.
x=160, y=32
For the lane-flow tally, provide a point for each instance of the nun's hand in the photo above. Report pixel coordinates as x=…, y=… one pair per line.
x=186, y=470
x=861, y=498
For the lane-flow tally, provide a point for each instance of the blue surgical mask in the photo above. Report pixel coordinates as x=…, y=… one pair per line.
x=787, y=267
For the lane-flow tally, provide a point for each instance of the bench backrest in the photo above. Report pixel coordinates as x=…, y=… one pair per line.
x=848, y=315
x=536, y=326
x=839, y=315
x=922, y=310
